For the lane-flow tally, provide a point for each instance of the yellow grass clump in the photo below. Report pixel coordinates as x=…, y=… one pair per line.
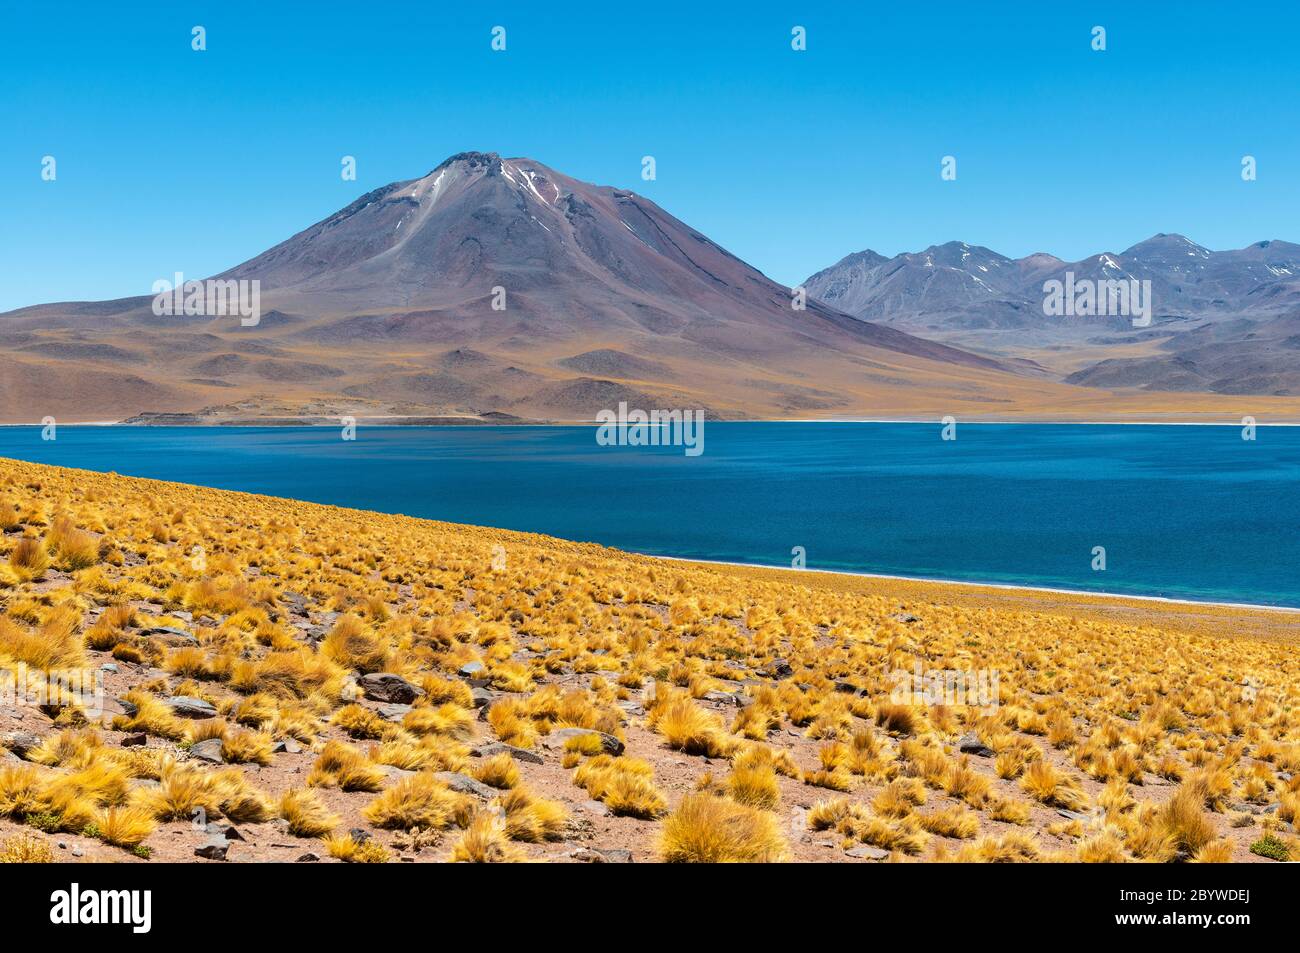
x=705, y=829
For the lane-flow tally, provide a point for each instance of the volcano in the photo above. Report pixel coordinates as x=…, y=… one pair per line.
x=492, y=288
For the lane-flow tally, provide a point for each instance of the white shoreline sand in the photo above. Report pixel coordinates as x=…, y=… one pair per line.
x=962, y=583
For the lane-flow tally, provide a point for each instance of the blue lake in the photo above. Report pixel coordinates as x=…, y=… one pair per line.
x=1182, y=511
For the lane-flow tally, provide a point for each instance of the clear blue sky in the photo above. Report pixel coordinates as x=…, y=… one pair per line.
x=172, y=160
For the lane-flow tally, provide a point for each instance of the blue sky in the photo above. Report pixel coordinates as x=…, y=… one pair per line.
x=172, y=160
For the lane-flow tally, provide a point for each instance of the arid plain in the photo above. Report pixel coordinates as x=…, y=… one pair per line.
x=295, y=682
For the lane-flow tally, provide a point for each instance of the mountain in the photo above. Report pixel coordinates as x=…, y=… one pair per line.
x=1223, y=321
x=386, y=308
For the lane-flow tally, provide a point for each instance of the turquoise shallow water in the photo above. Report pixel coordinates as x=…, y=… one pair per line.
x=1186, y=512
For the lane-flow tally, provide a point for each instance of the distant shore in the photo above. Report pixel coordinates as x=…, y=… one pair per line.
x=1208, y=617
x=967, y=584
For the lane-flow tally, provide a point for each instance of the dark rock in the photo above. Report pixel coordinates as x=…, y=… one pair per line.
x=169, y=635
x=464, y=784
x=393, y=712
x=482, y=698
x=867, y=851
x=20, y=742
x=227, y=831
x=296, y=602
x=308, y=858
x=778, y=669
x=597, y=855
x=847, y=688
x=213, y=849
x=208, y=750
x=970, y=744
x=183, y=706
x=135, y=741
x=496, y=748
x=1073, y=815
x=312, y=633
x=721, y=698
x=359, y=834
x=608, y=743
x=387, y=687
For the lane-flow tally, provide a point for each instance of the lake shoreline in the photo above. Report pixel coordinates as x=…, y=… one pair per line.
x=1215, y=618
x=1102, y=595
x=1006, y=509
x=449, y=421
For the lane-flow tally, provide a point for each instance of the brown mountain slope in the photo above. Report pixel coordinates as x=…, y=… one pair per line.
x=500, y=286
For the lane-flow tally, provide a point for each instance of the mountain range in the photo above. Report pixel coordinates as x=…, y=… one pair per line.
x=1225, y=322
x=497, y=289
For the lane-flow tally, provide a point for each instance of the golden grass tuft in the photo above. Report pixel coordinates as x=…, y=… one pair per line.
x=624, y=784
x=346, y=848
x=899, y=798
x=247, y=747
x=951, y=821
x=28, y=560
x=25, y=849
x=688, y=728
x=420, y=800
x=306, y=813
x=1183, y=820
x=485, y=841
x=710, y=830
x=498, y=771
x=531, y=818
x=360, y=722
x=342, y=766
x=1053, y=787
x=896, y=719
x=447, y=719
x=125, y=826
x=755, y=786
x=353, y=644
